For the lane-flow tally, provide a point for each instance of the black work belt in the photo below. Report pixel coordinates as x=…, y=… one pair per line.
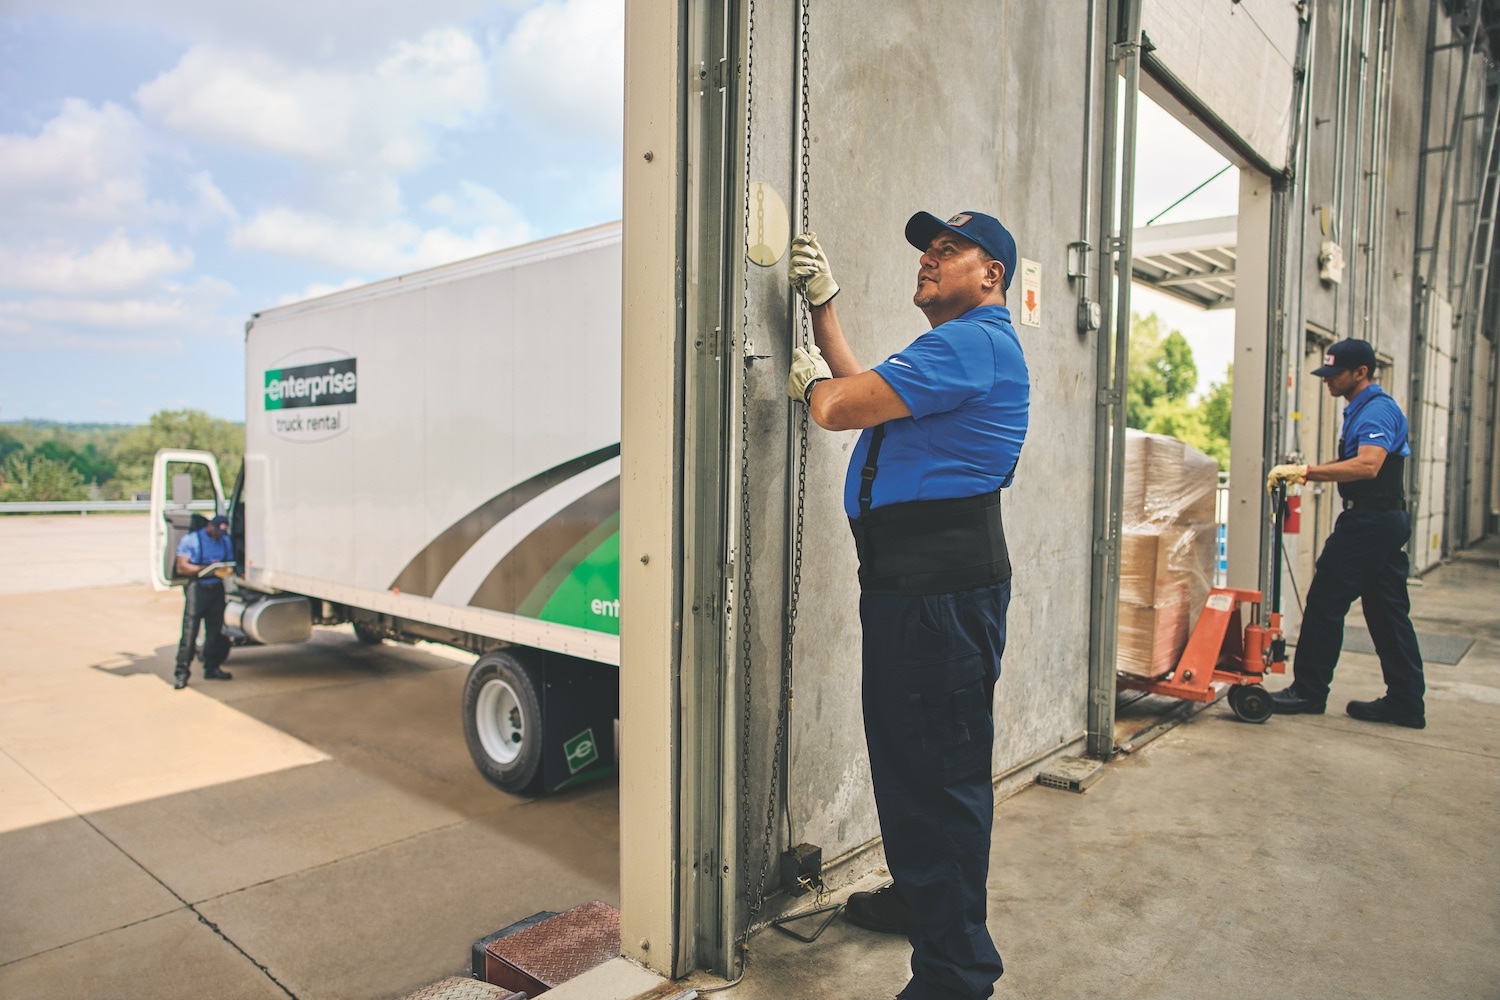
x=1375, y=504
x=931, y=546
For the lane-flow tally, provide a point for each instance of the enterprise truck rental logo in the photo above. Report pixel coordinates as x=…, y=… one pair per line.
x=311, y=398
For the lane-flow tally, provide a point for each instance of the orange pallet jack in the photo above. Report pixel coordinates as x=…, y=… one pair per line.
x=1224, y=650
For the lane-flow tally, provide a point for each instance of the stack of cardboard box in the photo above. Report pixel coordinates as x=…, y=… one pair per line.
x=1167, y=548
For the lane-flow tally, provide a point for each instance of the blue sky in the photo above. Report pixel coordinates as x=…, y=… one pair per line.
x=168, y=167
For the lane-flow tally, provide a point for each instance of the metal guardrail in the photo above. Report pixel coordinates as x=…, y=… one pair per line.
x=88, y=506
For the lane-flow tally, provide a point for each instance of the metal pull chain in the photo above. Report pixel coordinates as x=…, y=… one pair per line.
x=756, y=894
x=789, y=631
x=745, y=561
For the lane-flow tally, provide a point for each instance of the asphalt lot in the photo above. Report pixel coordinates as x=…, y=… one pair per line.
x=312, y=828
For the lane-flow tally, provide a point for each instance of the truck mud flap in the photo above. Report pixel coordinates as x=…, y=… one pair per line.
x=580, y=705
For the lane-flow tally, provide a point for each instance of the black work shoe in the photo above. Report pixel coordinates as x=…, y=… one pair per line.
x=882, y=910
x=217, y=675
x=179, y=682
x=1380, y=710
x=1289, y=702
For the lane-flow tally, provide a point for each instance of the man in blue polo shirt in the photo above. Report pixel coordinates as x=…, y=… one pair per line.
x=942, y=423
x=203, y=598
x=1365, y=556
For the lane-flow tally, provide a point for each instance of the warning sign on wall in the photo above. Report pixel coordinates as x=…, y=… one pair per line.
x=1030, y=305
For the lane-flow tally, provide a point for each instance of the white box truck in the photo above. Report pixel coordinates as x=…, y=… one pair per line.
x=437, y=457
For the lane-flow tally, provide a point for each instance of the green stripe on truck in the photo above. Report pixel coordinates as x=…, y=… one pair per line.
x=589, y=595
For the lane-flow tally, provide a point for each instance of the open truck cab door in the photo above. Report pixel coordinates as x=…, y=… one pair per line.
x=172, y=516
x=251, y=616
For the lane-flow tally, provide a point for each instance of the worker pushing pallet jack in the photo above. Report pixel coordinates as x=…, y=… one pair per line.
x=1224, y=649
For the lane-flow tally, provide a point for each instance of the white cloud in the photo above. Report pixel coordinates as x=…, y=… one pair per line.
x=87, y=312
x=383, y=115
x=477, y=203
x=211, y=200
x=392, y=247
x=325, y=30
x=92, y=341
x=86, y=162
x=159, y=321
x=564, y=66
x=319, y=289
x=117, y=264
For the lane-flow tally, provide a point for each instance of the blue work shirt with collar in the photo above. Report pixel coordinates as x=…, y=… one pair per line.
x=966, y=384
x=201, y=550
x=1374, y=417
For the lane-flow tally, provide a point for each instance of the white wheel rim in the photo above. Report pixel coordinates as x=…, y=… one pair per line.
x=500, y=720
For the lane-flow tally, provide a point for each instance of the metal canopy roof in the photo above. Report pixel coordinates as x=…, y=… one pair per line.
x=1193, y=261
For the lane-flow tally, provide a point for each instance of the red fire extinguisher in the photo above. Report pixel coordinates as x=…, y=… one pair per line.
x=1292, y=524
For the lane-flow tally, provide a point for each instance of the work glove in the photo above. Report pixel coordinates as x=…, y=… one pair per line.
x=809, y=271
x=1292, y=475
x=808, y=367
x=224, y=572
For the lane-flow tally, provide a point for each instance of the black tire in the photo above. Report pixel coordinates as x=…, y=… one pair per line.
x=367, y=635
x=1250, y=702
x=503, y=722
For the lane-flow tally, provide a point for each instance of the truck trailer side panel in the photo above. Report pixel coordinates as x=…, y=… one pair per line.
x=444, y=447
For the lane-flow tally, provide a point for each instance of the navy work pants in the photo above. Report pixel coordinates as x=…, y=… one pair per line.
x=202, y=603
x=1364, y=558
x=930, y=667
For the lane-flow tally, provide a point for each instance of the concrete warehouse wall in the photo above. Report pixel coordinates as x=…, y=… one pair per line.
x=1477, y=472
x=942, y=107
x=1374, y=220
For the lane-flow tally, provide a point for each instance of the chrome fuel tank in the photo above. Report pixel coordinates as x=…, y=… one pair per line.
x=270, y=620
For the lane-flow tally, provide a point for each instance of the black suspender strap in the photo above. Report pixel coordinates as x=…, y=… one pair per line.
x=867, y=474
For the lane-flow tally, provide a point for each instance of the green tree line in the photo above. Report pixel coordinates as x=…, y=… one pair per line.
x=40, y=460
x=1160, y=380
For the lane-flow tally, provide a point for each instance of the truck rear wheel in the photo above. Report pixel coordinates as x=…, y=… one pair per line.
x=503, y=722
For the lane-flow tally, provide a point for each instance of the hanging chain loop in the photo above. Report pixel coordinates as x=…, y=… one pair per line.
x=785, y=700
x=744, y=561
x=756, y=894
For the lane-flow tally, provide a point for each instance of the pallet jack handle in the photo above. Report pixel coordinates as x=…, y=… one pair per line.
x=1277, y=649
x=1278, y=517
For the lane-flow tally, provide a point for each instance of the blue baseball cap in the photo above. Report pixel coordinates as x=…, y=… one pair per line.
x=1345, y=356
x=977, y=227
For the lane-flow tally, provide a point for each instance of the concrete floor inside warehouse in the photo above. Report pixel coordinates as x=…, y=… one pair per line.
x=1312, y=856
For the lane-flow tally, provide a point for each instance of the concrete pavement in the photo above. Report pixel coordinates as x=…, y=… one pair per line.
x=66, y=551
x=312, y=828
x=1309, y=857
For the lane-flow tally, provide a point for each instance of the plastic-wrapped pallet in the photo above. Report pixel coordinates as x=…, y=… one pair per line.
x=1167, y=550
x=1167, y=481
